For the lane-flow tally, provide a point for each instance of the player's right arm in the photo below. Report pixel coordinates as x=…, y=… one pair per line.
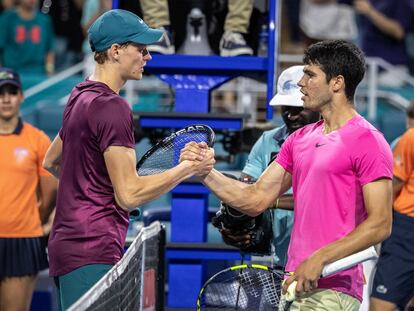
x=53, y=156
x=257, y=162
x=132, y=190
x=251, y=199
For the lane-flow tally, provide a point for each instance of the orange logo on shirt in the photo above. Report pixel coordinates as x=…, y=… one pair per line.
x=398, y=161
x=32, y=34
x=20, y=154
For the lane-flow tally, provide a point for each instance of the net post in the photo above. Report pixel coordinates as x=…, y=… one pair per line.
x=161, y=270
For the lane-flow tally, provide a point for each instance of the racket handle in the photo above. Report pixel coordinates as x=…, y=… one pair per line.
x=337, y=266
x=350, y=261
x=291, y=292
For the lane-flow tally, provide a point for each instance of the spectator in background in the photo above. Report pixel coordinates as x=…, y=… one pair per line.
x=6, y=4
x=409, y=120
x=66, y=16
x=265, y=150
x=394, y=278
x=410, y=44
x=27, y=39
x=294, y=44
x=327, y=19
x=156, y=15
x=382, y=29
x=410, y=115
x=27, y=197
x=232, y=43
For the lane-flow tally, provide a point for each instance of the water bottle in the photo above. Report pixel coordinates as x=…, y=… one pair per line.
x=263, y=41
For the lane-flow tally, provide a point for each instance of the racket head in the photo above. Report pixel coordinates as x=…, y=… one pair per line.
x=243, y=288
x=165, y=154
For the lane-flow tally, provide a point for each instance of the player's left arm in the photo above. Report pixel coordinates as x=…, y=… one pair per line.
x=53, y=156
x=47, y=197
x=375, y=229
x=47, y=185
x=374, y=171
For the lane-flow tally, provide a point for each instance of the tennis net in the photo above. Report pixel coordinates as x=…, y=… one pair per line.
x=136, y=282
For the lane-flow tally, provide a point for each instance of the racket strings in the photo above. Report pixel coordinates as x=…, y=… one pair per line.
x=270, y=292
x=247, y=281
x=166, y=155
x=161, y=160
x=245, y=289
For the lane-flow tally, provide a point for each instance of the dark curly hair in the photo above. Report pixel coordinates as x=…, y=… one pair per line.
x=338, y=57
x=410, y=110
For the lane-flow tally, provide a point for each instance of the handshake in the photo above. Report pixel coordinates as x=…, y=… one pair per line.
x=199, y=157
x=249, y=234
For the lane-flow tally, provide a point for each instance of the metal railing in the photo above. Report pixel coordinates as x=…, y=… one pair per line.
x=53, y=80
x=371, y=93
x=375, y=64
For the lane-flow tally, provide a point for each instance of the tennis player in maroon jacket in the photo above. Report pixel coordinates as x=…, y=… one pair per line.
x=94, y=158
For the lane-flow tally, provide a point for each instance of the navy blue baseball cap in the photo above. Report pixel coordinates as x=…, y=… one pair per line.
x=120, y=26
x=9, y=76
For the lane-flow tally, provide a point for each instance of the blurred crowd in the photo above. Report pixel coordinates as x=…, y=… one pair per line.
x=49, y=36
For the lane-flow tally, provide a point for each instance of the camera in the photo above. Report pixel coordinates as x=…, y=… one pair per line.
x=259, y=228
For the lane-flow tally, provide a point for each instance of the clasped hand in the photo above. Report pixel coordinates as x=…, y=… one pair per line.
x=306, y=275
x=200, y=156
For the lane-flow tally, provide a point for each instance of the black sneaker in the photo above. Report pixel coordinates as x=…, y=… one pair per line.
x=165, y=45
x=233, y=44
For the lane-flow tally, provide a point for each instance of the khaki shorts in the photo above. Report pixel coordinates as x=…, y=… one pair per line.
x=325, y=300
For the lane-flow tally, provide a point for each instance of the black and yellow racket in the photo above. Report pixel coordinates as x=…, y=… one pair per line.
x=243, y=288
x=258, y=288
x=165, y=154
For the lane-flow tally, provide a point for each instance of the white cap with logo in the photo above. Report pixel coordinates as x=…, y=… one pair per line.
x=288, y=90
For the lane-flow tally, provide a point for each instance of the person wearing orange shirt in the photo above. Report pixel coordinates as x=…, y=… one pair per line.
x=27, y=197
x=394, y=279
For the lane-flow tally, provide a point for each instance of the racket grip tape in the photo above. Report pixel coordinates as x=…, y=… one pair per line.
x=337, y=266
x=291, y=292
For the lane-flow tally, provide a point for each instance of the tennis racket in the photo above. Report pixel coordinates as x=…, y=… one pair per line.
x=165, y=154
x=257, y=287
x=242, y=288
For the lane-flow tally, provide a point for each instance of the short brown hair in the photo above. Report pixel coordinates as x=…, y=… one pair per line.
x=101, y=57
x=410, y=110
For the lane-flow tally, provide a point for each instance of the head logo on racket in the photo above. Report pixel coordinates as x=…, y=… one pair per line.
x=165, y=154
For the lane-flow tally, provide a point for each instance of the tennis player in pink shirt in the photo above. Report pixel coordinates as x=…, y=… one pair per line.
x=340, y=169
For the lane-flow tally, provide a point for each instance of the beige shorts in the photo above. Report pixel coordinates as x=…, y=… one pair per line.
x=325, y=300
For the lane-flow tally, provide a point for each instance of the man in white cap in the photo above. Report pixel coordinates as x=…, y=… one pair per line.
x=265, y=150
